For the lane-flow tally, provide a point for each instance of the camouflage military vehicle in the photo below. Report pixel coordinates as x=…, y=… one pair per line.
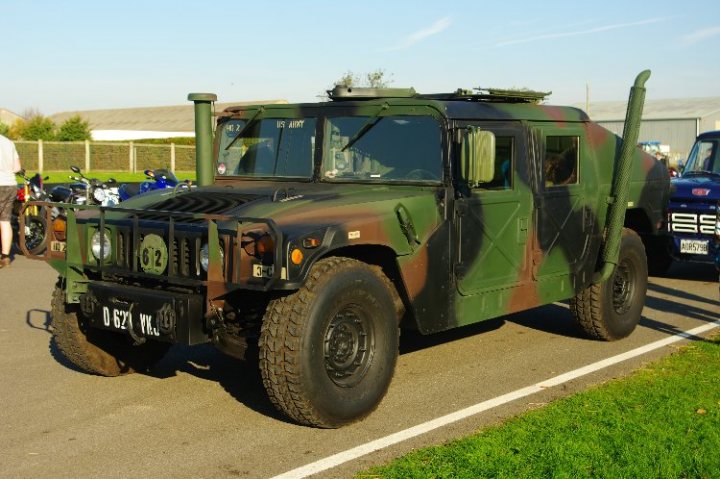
x=318, y=230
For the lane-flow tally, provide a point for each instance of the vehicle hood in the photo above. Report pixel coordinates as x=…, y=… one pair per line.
x=696, y=188
x=371, y=213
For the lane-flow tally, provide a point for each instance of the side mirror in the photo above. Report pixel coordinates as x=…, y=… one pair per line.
x=477, y=157
x=150, y=173
x=111, y=181
x=75, y=169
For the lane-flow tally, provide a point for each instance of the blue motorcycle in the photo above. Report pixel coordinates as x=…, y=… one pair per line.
x=157, y=180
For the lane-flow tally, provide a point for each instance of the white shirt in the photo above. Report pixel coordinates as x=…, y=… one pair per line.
x=9, y=162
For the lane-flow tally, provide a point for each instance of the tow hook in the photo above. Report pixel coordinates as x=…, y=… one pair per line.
x=215, y=322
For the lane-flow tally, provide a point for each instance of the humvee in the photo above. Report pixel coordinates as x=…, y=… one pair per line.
x=317, y=231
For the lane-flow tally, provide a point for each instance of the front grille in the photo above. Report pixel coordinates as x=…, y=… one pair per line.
x=183, y=239
x=691, y=223
x=183, y=255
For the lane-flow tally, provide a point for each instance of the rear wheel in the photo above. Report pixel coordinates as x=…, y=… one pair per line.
x=328, y=351
x=96, y=351
x=611, y=310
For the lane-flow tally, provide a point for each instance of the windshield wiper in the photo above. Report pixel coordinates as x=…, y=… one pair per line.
x=365, y=128
x=245, y=127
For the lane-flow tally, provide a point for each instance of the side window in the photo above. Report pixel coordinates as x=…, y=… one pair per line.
x=504, y=163
x=560, y=163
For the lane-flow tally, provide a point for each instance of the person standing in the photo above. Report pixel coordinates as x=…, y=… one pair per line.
x=9, y=164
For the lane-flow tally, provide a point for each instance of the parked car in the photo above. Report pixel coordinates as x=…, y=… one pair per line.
x=693, y=203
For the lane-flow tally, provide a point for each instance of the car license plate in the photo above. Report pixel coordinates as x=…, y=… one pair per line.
x=122, y=319
x=57, y=246
x=694, y=246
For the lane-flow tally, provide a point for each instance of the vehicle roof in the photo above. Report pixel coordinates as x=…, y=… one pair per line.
x=709, y=134
x=451, y=109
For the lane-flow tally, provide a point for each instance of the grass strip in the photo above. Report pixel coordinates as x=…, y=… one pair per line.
x=661, y=422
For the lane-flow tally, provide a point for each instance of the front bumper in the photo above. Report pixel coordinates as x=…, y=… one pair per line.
x=145, y=313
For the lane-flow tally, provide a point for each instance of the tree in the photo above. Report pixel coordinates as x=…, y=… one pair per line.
x=74, y=129
x=374, y=79
x=4, y=129
x=35, y=128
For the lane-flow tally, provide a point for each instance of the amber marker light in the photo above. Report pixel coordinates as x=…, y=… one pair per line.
x=296, y=256
x=60, y=229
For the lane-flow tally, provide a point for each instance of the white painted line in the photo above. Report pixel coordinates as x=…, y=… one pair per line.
x=400, y=436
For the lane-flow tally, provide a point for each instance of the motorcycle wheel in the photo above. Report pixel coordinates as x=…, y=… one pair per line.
x=35, y=234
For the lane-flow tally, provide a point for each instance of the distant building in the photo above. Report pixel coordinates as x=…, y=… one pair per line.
x=674, y=122
x=8, y=117
x=143, y=123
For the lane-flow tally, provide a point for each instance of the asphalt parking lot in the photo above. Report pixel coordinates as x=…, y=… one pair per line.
x=202, y=414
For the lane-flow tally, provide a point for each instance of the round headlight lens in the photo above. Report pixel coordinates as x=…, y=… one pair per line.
x=205, y=256
x=99, y=194
x=95, y=245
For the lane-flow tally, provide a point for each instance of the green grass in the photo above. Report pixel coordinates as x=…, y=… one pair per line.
x=120, y=176
x=661, y=422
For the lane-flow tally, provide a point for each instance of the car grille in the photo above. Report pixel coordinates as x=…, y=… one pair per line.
x=691, y=223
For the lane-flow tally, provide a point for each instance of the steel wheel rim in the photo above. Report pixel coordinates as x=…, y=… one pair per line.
x=623, y=287
x=348, y=346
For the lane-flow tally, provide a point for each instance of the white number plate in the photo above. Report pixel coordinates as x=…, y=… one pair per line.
x=694, y=246
x=120, y=319
x=57, y=246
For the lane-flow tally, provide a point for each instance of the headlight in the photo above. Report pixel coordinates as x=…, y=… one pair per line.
x=95, y=245
x=205, y=256
x=99, y=194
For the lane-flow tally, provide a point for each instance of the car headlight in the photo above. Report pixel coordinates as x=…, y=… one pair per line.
x=205, y=256
x=96, y=246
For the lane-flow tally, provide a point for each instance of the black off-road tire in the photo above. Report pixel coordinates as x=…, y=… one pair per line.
x=97, y=351
x=611, y=310
x=328, y=351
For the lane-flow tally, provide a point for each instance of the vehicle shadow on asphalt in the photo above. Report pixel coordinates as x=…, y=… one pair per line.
x=412, y=340
x=553, y=319
x=691, y=271
x=667, y=305
x=38, y=319
x=239, y=378
x=41, y=319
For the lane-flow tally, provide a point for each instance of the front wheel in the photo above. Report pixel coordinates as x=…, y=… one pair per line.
x=328, y=351
x=97, y=351
x=611, y=310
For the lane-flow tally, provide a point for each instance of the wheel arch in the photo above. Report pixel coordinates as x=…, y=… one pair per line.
x=385, y=258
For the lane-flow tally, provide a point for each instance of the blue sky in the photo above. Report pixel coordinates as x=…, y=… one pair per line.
x=83, y=55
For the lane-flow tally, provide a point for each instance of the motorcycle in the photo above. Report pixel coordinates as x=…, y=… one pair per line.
x=34, y=233
x=85, y=191
x=157, y=180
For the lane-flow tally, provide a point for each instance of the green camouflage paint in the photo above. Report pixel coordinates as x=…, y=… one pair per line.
x=392, y=196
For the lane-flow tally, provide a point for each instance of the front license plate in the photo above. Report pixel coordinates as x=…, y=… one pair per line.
x=121, y=319
x=156, y=314
x=694, y=246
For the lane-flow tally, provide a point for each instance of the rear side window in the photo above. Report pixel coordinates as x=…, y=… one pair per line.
x=560, y=164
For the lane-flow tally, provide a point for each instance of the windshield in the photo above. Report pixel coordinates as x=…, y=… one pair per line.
x=267, y=148
x=395, y=148
x=703, y=158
